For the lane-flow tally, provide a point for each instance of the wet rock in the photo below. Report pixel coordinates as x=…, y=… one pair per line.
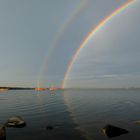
x=49, y=127
x=137, y=122
x=2, y=133
x=113, y=131
x=16, y=121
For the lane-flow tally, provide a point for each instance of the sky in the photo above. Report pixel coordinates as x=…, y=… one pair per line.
x=38, y=38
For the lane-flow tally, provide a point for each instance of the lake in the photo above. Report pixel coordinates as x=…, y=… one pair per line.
x=74, y=114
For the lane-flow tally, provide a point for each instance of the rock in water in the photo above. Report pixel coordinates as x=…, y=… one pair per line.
x=2, y=133
x=138, y=122
x=49, y=127
x=113, y=131
x=16, y=121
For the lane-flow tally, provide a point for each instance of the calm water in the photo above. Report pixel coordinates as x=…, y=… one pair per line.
x=74, y=114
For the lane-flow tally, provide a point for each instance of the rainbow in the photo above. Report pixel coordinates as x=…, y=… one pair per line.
x=79, y=7
x=91, y=35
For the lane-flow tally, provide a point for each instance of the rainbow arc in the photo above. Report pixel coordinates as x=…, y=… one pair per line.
x=91, y=35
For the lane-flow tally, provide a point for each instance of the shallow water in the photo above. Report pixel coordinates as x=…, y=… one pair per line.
x=74, y=114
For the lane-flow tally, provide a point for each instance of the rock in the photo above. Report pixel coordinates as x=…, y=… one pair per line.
x=113, y=131
x=16, y=121
x=138, y=122
x=49, y=127
x=2, y=133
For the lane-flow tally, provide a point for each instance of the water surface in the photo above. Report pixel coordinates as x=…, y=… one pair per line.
x=74, y=114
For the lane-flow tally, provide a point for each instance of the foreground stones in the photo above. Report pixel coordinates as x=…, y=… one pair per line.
x=2, y=133
x=113, y=131
x=16, y=121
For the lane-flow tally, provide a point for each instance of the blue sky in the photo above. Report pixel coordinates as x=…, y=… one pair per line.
x=29, y=28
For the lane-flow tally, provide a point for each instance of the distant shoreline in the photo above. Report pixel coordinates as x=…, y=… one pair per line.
x=32, y=88
x=16, y=88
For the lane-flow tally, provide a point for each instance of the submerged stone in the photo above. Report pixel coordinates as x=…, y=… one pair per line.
x=2, y=133
x=113, y=131
x=16, y=121
x=49, y=127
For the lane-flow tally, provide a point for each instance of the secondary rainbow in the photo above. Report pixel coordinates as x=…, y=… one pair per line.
x=73, y=14
x=91, y=35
